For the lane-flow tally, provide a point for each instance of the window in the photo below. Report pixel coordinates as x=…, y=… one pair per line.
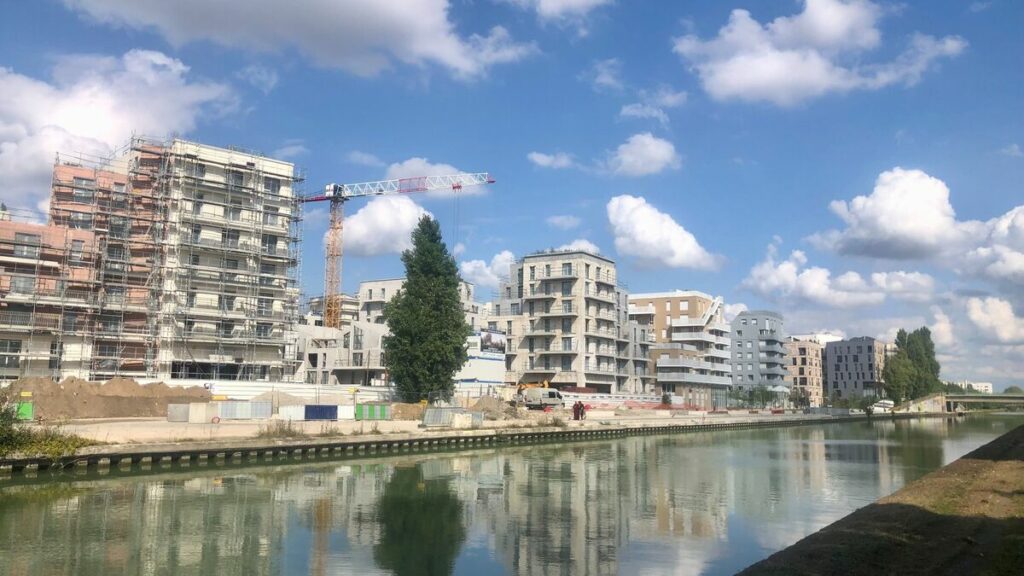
x=270, y=270
x=231, y=264
x=566, y=288
x=190, y=299
x=566, y=324
x=566, y=269
x=115, y=252
x=270, y=215
x=530, y=305
x=77, y=249
x=197, y=170
x=79, y=181
x=226, y=328
x=229, y=238
x=10, y=351
x=23, y=284
x=753, y=321
x=26, y=245
x=567, y=307
x=196, y=233
x=263, y=330
x=235, y=178
x=265, y=307
x=515, y=309
x=80, y=220
x=83, y=196
x=272, y=186
x=566, y=363
x=269, y=243
x=227, y=303
x=118, y=227
x=533, y=273
x=739, y=332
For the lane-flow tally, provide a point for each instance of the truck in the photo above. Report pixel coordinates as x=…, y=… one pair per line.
x=540, y=398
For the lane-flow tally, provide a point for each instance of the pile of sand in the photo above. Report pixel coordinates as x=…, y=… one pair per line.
x=278, y=399
x=492, y=408
x=75, y=398
x=401, y=411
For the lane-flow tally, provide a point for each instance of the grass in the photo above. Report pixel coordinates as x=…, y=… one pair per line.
x=49, y=442
x=281, y=429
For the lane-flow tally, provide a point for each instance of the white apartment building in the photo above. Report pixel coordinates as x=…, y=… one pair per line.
x=570, y=324
x=375, y=294
x=690, y=349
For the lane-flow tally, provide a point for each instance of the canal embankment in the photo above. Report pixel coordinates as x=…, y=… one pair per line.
x=965, y=518
x=165, y=443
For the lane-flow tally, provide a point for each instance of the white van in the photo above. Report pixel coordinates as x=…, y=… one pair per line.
x=540, y=398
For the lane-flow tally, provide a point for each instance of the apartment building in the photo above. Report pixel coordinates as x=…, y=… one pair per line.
x=690, y=349
x=976, y=387
x=314, y=315
x=805, y=369
x=375, y=294
x=854, y=367
x=758, y=351
x=168, y=260
x=575, y=330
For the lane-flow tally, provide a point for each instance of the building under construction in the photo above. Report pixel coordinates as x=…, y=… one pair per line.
x=168, y=260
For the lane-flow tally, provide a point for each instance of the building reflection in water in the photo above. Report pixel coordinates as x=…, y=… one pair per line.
x=684, y=503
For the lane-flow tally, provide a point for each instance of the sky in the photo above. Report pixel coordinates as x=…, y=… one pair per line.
x=855, y=165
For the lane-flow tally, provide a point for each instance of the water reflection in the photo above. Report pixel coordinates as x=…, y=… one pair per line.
x=697, y=503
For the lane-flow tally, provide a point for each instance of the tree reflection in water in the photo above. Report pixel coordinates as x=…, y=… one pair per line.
x=421, y=523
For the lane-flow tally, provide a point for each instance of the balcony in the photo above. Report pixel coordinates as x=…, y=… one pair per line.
x=558, y=311
x=602, y=295
x=540, y=296
x=540, y=330
x=559, y=349
x=557, y=272
x=694, y=378
x=600, y=332
x=772, y=348
x=598, y=368
x=647, y=310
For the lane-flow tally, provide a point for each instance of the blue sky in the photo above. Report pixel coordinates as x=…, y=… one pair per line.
x=697, y=143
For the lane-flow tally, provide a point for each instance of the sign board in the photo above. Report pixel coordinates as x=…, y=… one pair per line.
x=492, y=343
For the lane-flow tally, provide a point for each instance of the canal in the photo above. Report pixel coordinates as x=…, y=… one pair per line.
x=700, y=503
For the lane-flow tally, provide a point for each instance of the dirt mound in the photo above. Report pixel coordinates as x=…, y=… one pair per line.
x=278, y=399
x=119, y=398
x=492, y=408
x=401, y=411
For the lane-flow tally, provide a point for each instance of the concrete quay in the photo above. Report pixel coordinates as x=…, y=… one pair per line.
x=384, y=440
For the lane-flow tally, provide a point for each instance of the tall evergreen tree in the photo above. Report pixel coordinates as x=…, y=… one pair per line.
x=914, y=371
x=427, y=344
x=899, y=375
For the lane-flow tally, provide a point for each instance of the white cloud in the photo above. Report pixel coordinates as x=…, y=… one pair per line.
x=563, y=221
x=653, y=237
x=791, y=280
x=92, y=105
x=556, y=160
x=796, y=58
x=732, y=310
x=942, y=329
x=563, y=12
x=487, y=275
x=995, y=319
x=291, y=149
x=912, y=286
x=605, y=75
x=364, y=159
x=640, y=110
x=383, y=226
x=262, y=78
x=1012, y=150
x=415, y=167
x=907, y=215
x=458, y=250
x=581, y=245
x=363, y=37
x=643, y=154
x=665, y=97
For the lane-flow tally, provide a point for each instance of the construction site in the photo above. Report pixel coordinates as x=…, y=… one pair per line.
x=167, y=260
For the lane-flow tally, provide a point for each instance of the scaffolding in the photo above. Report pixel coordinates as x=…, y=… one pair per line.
x=165, y=260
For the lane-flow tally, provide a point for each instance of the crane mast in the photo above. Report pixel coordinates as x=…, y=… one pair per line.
x=338, y=194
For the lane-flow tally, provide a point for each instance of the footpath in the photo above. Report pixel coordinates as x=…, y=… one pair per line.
x=965, y=518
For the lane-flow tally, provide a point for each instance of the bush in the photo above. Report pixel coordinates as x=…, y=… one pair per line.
x=49, y=442
x=280, y=429
x=12, y=436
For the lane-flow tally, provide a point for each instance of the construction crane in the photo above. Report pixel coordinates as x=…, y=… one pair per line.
x=338, y=194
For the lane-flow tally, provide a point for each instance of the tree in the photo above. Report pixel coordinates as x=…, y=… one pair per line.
x=1013, y=390
x=913, y=371
x=899, y=375
x=427, y=344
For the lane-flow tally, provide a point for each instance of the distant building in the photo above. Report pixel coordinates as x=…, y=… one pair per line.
x=758, y=350
x=854, y=367
x=979, y=387
x=805, y=369
x=375, y=294
x=690, y=349
x=314, y=315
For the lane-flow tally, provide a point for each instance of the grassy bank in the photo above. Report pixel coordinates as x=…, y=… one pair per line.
x=46, y=441
x=965, y=518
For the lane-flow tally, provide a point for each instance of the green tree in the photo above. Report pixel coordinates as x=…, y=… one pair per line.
x=1013, y=390
x=427, y=344
x=899, y=375
x=913, y=371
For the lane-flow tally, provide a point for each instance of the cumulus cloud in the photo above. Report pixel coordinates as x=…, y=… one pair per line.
x=995, y=319
x=363, y=37
x=604, y=75
x=582, y=245
x=556, y=160
x=486, y=274
x=564, y=12
x=791, y=279
x=652, y=105
x=92, y=105
x=732, y=310
x=907, y=215
x=653, y=237
x=458, y=250
x=643, y=154
x=364, y=159
x=642, y=110
x=262, y=78
x=563, y=221
x=383, y=226
x=942, y=329
x=912, y=286
x=797, y=58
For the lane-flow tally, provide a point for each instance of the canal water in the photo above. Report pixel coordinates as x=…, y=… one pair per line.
x=700, y=503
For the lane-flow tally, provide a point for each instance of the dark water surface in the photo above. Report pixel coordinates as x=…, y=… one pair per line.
x=706, y=503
